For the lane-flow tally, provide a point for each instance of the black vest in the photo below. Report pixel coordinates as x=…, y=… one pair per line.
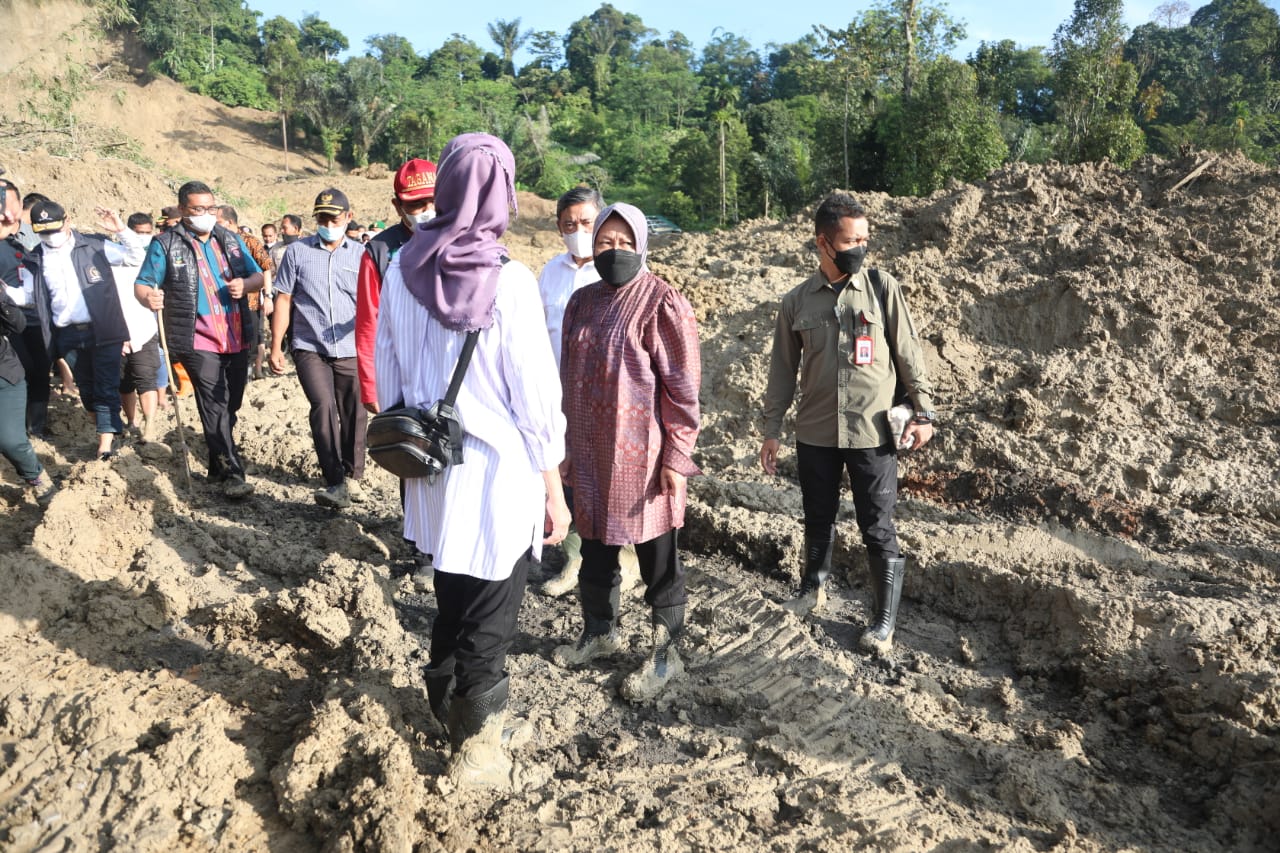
x=97, y=283
x=182, y=282
x=383, y=246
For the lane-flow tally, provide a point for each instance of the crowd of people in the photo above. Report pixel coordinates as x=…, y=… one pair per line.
x=579, y=391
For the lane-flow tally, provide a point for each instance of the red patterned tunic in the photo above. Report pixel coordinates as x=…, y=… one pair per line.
x=631, y=371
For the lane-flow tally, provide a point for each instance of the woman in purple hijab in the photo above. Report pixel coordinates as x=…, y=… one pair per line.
x=631, y=371
x=483, y=521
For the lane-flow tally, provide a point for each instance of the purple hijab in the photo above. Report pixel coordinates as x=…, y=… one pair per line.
x=634, y=217
x=451, y=264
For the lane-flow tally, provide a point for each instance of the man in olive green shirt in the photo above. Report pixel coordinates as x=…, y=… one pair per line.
x=850, y=345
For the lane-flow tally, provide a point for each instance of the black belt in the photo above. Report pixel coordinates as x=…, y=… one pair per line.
x=79, y=327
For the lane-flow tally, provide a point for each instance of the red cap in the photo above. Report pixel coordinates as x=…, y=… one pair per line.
x=416, y=180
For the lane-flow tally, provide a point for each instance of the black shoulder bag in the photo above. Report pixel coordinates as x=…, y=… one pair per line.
x=411, y=442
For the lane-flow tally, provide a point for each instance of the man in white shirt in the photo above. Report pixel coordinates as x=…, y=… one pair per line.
x=140, y=372
x=88, y=324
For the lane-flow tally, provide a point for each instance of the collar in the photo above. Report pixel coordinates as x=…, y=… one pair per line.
x=567, y=258
x=819, y=281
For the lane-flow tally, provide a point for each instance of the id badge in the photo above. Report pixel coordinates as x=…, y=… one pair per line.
x=862, y=349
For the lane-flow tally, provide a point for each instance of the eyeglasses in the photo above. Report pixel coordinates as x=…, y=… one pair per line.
x=200, y=211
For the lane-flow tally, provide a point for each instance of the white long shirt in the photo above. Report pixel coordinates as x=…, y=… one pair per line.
x=140, y=319
x=479, y=517
x=559, y=279
x=65, y=296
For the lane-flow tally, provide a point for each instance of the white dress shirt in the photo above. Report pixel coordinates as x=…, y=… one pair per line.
x=479, y=517
x=140, y=319
x=559, y=279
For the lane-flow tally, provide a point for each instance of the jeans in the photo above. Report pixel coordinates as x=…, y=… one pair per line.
x=14, y=444
x=96, y=369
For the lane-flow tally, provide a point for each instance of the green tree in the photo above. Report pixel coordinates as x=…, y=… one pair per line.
x=1096, y=86
x=284, y=66
x=597, y=42
x=509, y=38
x=319, y=39
x=370, y=104
x=941, y=131
x=322, y=100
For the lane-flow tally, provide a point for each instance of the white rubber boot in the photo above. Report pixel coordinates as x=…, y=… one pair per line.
x=568, y=577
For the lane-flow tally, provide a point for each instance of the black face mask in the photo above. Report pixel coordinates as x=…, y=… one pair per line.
x=850, y=260
x=618, y=266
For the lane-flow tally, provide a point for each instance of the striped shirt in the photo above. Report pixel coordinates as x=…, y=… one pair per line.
x=322, y=285
x=480, y=516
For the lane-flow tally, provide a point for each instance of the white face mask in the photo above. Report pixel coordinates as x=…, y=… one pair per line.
x=203, y=223
x=578, y=243
x=145, y=239
x=56, y=240
x=421, y=217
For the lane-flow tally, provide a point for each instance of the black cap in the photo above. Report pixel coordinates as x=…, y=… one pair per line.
x=47, y=216
x=332, y=201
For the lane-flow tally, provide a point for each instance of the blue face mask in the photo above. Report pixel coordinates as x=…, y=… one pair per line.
x=330, y=235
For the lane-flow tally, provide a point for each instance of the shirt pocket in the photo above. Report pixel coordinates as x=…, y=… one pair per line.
x=816, y=331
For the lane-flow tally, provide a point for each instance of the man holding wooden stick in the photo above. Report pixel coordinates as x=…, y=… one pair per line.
x=200, y=273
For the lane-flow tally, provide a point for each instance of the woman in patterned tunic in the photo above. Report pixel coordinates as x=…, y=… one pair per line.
x=630, y=373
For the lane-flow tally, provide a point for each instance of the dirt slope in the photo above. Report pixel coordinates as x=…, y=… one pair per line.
x=1087, y=649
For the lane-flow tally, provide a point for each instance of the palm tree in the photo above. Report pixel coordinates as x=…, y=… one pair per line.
x=508, y=37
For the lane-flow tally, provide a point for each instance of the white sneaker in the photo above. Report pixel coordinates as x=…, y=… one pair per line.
x=335, y=497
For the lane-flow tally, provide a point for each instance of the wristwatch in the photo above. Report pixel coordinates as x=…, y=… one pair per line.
x=923, y=417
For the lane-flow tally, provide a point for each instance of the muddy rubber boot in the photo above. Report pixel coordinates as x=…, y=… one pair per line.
x=475, y=735
x=887, y=575
x=599, y=626
x=568, y=577
x=817, y=568
x=663, y=664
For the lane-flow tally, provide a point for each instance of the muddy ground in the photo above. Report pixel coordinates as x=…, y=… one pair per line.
x=1087, y=651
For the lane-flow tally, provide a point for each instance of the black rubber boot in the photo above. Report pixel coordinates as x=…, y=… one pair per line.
x=599, y=626
x=817, y=569
x=38, y=418
x=663, y=663
x=475, y=736
x=887, y=575
x=440, y=682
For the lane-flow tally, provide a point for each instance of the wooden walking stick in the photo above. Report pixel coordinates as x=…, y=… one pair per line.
x=177, y=400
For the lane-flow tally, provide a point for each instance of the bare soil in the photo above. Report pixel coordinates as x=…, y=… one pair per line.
x=1086, y=656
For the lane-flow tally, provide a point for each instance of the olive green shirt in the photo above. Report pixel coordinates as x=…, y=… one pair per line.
x=842, y=404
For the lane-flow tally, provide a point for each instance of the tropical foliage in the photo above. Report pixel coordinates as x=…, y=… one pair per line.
x=712, y=135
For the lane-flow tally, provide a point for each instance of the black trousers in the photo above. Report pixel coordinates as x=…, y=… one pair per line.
x=218, y=381
x=873, y=478
x=36, y=362
x=338, y=419
x=476, y=624
x=660, y=568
